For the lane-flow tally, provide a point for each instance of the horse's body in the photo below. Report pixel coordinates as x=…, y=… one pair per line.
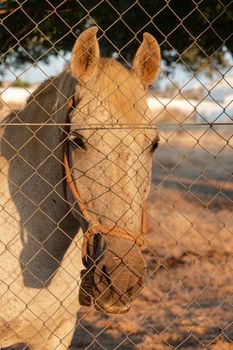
x=40, y=237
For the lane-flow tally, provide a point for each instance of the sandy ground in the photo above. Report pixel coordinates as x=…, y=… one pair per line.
x=187, y=302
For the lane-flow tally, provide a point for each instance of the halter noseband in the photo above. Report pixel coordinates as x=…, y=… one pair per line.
x=94, y=226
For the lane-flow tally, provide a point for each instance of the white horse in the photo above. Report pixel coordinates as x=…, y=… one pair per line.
x=73, y=180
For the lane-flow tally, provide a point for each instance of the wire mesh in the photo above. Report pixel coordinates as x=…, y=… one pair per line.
x=109, y=135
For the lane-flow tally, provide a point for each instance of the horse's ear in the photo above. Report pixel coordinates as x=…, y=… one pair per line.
x=147, y=60
x=85, y=55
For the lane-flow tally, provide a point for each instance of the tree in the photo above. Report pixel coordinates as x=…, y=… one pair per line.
x=191, y=32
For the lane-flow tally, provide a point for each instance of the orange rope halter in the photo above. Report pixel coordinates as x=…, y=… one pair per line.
x=94, y=226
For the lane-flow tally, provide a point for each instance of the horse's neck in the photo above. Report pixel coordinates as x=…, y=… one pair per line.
x=40, y=146
x=35, y=185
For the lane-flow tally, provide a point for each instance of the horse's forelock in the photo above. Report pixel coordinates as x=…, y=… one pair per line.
x=114, y=85
x=117, y=89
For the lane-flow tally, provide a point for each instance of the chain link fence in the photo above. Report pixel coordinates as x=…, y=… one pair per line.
x=187, y=297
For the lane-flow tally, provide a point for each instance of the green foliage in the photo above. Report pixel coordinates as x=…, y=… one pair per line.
x=191, y=32
x=20, y=83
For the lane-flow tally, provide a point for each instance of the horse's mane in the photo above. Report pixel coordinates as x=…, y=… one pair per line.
x=43, y=99
x=53, y=94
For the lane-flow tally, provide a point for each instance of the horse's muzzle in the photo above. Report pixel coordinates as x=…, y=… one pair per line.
x=115, y=278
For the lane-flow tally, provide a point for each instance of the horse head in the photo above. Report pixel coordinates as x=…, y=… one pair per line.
x=108, y=165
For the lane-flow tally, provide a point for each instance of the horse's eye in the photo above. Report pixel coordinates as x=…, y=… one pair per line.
x=77, y=141
x=155, y=144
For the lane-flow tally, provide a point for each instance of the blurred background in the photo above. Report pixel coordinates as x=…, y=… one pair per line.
x=195, y=39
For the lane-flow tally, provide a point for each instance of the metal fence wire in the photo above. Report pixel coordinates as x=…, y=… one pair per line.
x=75, y=171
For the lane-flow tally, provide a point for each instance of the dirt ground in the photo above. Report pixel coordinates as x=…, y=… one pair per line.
x=187, y=302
